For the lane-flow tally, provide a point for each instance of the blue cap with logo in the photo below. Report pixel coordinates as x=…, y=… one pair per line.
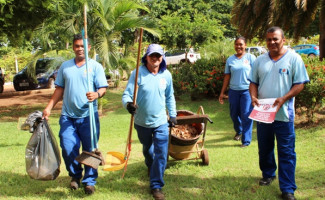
x=155, y=48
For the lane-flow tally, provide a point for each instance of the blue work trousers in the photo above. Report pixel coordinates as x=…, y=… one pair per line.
x=240, y=108
x=285, y=136
x=155, y=150
x=73, y=133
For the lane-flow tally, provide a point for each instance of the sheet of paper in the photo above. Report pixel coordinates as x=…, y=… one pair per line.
x=265, y=112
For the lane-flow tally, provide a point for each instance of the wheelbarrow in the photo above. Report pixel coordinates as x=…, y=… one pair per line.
x=182, y=149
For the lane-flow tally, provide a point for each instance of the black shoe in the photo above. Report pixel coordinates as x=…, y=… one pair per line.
x=157, y=194
x=266, y=181
x=237, y=137
x=89, y=189
x=288, y=196
x=74, y=183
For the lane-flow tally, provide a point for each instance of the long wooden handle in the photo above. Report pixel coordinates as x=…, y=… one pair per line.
x=85, y=20
x=135, y=91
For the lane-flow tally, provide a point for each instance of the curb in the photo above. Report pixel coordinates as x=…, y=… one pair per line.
x=26, y=92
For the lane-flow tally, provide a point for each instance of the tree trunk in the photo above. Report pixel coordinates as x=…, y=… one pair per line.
x=94, y=56
x=136, y=36
x=322, y=31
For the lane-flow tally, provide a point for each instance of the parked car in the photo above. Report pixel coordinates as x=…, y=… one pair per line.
x=112, y=74
x=41, y=76
x=2, y=80
x=178, y=57
x=311, y=50
x=256, y=50
x=288, y=47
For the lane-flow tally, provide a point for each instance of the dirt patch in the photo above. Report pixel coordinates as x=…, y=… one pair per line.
x=14, y=105
x=301, y=120
x=11, y=98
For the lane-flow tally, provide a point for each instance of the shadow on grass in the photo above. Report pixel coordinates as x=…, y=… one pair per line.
x=21, y=186
x=135, y=185
x=22, y=111
x=12, y=145
x=178, y=186
x=203, y=186
x=193, y=161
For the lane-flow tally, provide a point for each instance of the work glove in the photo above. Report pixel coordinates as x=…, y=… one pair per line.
x=172, y=121
x=131, y=108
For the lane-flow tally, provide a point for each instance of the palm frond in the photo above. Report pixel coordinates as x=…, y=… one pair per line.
x=298, y=3
x=124, y=7
x=304, y=17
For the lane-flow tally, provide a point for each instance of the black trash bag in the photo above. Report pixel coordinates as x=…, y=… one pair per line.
x=29, y=123
x=42, y=154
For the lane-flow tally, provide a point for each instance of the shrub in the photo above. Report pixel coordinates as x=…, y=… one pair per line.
x=312, y=96
x=201, y=79
x=218, y=50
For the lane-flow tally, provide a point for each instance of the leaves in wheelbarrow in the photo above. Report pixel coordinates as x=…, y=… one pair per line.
x=185, y=131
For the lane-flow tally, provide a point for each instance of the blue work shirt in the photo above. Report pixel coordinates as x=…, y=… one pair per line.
x=155, y=93
x=74, y=81
x=276, y=78
x=239, y=69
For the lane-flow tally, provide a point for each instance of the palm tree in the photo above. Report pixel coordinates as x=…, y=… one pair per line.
x=56, y=31
x=111, y=24
x=254, y=17
x=109, y=19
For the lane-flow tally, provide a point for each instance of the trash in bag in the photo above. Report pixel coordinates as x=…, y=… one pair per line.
x=42, y=154
x=29, y=123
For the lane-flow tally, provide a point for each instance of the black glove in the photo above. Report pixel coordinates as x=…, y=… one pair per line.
x=172, y=121
x=131, y=108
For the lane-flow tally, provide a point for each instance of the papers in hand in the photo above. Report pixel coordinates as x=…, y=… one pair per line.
x=265, y=112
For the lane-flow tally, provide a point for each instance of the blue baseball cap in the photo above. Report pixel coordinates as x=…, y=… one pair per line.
x=155, y=48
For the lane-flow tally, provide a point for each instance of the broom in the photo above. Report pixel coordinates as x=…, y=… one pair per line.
x=94, y=158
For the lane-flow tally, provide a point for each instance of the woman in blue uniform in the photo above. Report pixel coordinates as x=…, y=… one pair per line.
x=237, y=70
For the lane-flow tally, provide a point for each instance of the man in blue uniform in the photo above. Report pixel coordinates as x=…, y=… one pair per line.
x=280, y=74
x=155, y=93
x=72, y=84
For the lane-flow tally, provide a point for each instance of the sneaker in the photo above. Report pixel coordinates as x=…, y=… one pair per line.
x=237, y=137
x=89, y=189
x=288, y=196
x=243, y=145
x=266, y=181
x=157, y=194
x=74, y=183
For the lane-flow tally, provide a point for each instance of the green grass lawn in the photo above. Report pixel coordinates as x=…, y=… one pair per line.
x=233, y=172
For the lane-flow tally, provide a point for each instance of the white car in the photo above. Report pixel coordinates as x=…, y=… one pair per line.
x=256, y=50
x=177, y=58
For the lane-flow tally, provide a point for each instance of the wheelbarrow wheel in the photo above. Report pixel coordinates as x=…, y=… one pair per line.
x=205, y=157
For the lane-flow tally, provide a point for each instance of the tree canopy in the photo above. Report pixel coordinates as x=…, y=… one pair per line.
x=49, y=24
x=254, y=17
x=192, y=23
x=19, y=18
